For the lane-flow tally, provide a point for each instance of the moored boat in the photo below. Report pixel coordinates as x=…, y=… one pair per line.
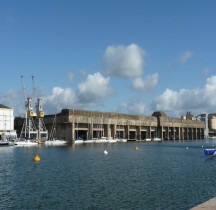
x=210, y=152
x=156, y=139
x=78, y=141
x=55, y=142
x=25, y=142
x=121, y=140
x=89, y=141
x=4, y=143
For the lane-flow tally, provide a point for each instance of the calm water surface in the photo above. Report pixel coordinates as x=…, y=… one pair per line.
x=162, y=176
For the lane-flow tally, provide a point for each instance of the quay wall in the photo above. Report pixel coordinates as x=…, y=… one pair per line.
x=74, y=124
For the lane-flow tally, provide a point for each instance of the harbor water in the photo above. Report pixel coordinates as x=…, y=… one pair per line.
x=155, y=175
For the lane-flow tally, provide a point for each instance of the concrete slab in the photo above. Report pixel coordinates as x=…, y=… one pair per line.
x=208, y=205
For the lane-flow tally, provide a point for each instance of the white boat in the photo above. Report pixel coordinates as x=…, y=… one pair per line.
x=25, y=143
x=121, y=140
x=147, y=139
x=212, y=137
x=89, y=141
x=55, y=142
x=78, y=141
x=112, y=140
x=156, y=139
x=4, y=143
x=101, y=140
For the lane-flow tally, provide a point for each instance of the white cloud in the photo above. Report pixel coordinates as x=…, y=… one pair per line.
x=199, y=100
x=133, y=107
x=94, y=89
x=125, y=61
x=15, y=100
x=59, y=99
x=90, y=93
x=145, y=84
x=185, y=56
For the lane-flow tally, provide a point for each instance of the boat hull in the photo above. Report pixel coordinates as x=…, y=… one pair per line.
x=55, y=142
x=25, y=143
x=3, y=144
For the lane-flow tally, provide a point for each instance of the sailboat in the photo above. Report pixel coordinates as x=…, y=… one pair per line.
x=8, y=138
x=52, y=141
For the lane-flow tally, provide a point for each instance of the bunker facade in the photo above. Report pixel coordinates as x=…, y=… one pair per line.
x=81, y=124
x=72, y=124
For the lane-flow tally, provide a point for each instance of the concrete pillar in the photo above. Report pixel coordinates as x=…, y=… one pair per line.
x=149, y=129
x=114, y=132
x=182, y=133
x=168, y=133
x=174, y=133
x=127, y=131
x=91, y=131
x=124, y=132
x=108, y=131
x=139, y=133
x=162, y=138
x=73, y=132
x=179, y=133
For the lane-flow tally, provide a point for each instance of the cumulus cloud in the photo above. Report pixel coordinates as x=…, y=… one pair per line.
x=145, y=84
x=124, y=61
x=94, y=89
x=59, y=99
x=15, y=100
x=185, y=56
x=199, y=99
x=133, y=107
x=90, y=93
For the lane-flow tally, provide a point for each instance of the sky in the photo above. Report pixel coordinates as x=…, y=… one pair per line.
x=125, y=56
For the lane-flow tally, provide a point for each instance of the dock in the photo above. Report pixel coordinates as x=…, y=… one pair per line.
x=208, y=205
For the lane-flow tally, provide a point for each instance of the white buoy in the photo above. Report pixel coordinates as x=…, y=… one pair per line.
x=186, y=147
x=105, y=152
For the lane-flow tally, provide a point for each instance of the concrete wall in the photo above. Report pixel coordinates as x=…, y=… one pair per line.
x=72, y=124
x=86, y=124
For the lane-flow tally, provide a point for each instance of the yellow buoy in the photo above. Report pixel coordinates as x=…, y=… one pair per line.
x=36, y=158
x=136, y=148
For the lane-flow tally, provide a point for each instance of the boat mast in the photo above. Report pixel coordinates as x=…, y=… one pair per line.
x=25, y=103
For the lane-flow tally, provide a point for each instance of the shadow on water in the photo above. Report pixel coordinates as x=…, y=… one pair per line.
x=210, y=158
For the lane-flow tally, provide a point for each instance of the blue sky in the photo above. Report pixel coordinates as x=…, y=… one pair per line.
x=128, y=56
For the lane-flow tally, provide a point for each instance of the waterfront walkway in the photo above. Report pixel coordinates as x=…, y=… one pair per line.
x=208, y=205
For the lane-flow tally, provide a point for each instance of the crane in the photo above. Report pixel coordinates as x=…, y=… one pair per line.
x=28, y=125
x=42, y=131
x=38, y=101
